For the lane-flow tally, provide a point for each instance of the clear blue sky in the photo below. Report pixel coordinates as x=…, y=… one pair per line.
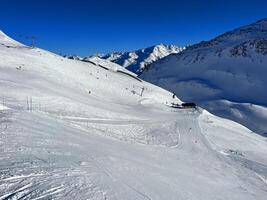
x=101, y=26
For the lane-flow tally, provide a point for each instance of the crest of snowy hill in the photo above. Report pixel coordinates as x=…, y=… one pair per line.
x=108, y=64
x=226, y=75
x=136, y=61
x=73, y=57
x=8, y=42
x=88, y=130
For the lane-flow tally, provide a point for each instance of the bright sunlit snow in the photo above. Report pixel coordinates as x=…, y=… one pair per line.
x=83, y=130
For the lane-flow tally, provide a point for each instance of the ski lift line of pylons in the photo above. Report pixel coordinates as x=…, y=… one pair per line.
x=33, y=38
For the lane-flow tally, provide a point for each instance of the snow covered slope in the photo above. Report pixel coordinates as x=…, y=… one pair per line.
x=78, y=130
x=107, y=64
x=136, y=61
x=226, y=75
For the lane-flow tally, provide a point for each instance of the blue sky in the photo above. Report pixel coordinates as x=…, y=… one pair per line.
x=101, y=26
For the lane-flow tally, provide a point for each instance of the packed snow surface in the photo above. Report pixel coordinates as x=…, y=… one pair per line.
x=226, y=75
x=76, y=130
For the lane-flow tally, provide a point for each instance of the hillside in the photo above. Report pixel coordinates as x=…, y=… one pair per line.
x=87, y=130
x=226, y=75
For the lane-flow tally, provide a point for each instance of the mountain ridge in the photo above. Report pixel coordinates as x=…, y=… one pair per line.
x=136, y=61
x=225, y=75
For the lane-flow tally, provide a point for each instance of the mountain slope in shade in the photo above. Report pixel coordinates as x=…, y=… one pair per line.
x=226, y=75
x=136, y=61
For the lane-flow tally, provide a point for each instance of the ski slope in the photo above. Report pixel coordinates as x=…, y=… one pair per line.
x=75, y=130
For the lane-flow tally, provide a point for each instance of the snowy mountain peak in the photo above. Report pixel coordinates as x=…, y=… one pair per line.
x=136, y=61
x=161, y=50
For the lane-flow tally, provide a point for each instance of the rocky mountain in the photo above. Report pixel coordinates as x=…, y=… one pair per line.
x=225, y=75
x=136, y=61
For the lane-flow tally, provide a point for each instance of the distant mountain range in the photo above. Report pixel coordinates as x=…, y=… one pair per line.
x=136, y=61
x=226, y=75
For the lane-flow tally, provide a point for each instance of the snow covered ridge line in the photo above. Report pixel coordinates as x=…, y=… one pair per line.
x=136, y=61
x=224, y=75
x=248, y=31
x=105, y=64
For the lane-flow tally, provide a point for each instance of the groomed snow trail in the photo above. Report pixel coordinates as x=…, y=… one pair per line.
x=49, y=157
